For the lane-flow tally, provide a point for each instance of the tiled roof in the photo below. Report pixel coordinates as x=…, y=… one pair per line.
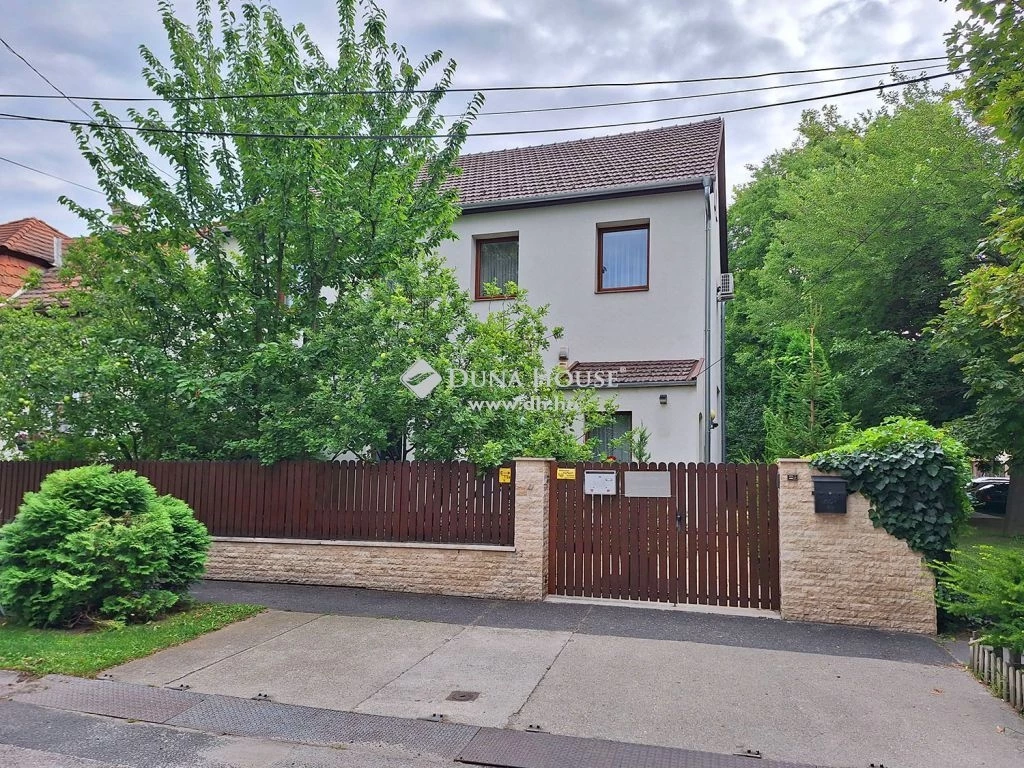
x=31, y=237
x=668, y=154
x=47, y=293
x=638, y=372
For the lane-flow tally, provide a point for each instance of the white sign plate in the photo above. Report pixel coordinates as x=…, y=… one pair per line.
x=649, y=483
x=600, y=482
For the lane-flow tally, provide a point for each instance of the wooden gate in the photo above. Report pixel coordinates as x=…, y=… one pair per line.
x=712, y=540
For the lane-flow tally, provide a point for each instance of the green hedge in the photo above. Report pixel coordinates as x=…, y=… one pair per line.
x=915, y=477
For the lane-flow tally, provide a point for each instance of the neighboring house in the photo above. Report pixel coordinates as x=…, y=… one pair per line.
x=27, y=245
x=625, y=238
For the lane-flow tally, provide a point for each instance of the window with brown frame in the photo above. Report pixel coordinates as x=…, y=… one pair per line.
x=623, y=258
x=497, y=265
x=610, y=439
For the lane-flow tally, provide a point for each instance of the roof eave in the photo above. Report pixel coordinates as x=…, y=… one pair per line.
x=665, y=185
x=639, y=385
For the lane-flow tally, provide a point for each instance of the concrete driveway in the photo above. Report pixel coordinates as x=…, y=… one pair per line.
x=806, y=693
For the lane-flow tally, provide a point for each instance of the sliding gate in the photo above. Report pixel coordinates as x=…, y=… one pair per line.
x=674, y=533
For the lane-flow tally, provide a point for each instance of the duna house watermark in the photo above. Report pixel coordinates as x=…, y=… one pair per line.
x=421, y=378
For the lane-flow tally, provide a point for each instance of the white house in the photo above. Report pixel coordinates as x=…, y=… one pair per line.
x=625, y=238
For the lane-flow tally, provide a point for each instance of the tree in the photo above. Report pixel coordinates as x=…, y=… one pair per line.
x=984, y=321
x=859, y=229
x=804, y=414
x=262, y=296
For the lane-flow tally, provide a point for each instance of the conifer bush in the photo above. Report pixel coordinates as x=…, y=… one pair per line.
x=95, y=544
x=985, y=586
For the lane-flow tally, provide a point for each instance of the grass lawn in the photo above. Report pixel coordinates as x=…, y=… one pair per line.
x=988, y=531
x=85, y=652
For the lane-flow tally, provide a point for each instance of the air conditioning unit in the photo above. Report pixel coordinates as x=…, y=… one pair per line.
x=726, y=287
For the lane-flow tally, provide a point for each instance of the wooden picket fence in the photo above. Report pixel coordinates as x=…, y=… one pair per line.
x=713, y=541
x=413, y=501
x=1002, y=672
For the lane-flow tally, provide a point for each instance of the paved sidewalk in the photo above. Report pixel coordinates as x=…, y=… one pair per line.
x=610, y=620
x=804, y=693
x=47, y=724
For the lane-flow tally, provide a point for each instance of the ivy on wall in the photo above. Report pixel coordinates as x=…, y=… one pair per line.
x=914, y=476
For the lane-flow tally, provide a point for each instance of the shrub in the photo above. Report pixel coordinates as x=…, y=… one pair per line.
x=985, y=586
x=97, y=544
x=915, y=477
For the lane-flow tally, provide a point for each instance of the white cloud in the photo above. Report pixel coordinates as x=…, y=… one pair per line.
x=496, y=42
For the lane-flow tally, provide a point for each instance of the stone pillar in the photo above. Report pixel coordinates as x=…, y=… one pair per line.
x=841, y=569
x=533, y=477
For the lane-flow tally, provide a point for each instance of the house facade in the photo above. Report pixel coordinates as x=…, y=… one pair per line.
x=27, y=245
x=623, y=237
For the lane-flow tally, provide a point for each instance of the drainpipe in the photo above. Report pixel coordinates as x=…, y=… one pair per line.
x=721, y=372
x=707, y=320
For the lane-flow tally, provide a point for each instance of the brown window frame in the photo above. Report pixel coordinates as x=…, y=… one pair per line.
x=600, y=258
x=478, y=294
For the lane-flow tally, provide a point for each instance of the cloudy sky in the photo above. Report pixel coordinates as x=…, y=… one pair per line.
x=91, y=48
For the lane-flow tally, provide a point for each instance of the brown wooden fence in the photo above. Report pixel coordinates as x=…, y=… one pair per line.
x=713, y=541
x=421, y=501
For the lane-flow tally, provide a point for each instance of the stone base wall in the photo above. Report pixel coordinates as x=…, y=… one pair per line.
x=513, y=573
x=841, y=569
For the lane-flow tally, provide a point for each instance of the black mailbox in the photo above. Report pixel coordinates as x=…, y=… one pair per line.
x=830, y=495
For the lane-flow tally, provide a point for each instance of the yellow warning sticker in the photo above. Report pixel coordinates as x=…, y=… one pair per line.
x=504, y=474
x=566, y=473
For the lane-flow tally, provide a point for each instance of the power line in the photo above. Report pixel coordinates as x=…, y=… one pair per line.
x=483, y=89
x=51, y=175
x=416, y=136
x=64, y=96
x=686, y=97
x=45, y=79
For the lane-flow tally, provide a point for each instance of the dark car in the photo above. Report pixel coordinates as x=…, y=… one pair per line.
x=989, y=494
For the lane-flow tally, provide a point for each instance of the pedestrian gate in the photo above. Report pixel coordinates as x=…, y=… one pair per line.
x=678, y=533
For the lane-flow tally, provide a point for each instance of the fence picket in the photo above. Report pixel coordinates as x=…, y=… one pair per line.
x=390, y=501
x=711, y=541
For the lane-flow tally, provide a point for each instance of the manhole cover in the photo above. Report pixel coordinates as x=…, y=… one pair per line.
x=463, y=695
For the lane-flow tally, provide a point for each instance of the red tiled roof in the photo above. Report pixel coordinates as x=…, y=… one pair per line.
x=639, y=372
x=31, y=237
x=47, y=293
x=668, y=154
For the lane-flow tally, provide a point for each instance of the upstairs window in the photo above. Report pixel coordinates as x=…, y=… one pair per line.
x=497, y=265
x=622, y=258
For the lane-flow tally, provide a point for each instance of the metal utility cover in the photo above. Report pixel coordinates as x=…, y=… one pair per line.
x=463, y=696
x=103, y=697
x=600, y=482
x=518, y=749
x=244, y=717
x=649, y=483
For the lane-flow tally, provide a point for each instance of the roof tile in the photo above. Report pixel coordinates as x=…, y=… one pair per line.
x=51, y=284
x=48, y=292
x=31, y=237
x=673, y=153
x=639, y=372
